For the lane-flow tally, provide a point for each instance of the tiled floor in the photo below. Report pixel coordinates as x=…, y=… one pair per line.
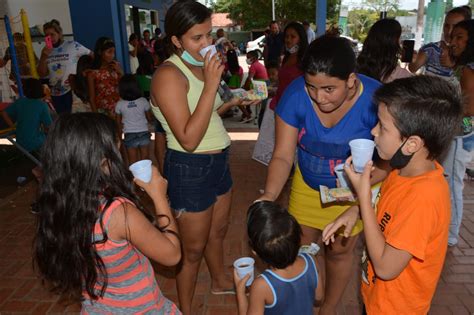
x=22, y=292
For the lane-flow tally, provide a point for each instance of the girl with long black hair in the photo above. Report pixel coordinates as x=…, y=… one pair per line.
x=93, y=236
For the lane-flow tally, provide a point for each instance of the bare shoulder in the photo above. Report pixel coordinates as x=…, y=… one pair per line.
x=260, y=289
x=168, y=73
x=122, y=215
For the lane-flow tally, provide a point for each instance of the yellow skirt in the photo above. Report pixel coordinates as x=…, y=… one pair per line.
x=305, y=206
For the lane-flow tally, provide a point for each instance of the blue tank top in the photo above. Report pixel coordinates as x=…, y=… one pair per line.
x=321, y=148
x=295, y=295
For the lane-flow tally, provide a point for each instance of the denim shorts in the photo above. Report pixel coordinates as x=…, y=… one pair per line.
x=196, y=180
x=136, y=139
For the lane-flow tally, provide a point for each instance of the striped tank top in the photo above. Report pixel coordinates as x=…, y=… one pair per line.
x=132, y=287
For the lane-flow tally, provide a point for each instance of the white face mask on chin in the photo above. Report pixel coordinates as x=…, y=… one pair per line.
x=293, y=49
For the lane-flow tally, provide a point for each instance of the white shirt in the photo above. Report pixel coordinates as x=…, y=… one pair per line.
x=310, y=34
x=133, y=60
x=133, y=114
x=61, y=63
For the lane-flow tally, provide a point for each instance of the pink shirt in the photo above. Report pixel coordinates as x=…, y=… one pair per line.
x=286, y=75
x=258, y=70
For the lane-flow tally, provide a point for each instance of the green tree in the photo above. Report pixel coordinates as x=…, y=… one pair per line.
x=256, y=14
x=360, y=21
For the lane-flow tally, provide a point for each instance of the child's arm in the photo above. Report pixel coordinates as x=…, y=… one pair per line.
x=258, y=294
x=8, y=119
x=149, y=116
x=118, y=119
x=131, y=224
x=388, y=261
x=91, y=88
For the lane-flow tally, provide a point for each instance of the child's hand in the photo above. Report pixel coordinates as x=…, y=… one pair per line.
x=240, y=283
x=360, y=182
x=157, y=186
x=213, y=69
x=348, y=219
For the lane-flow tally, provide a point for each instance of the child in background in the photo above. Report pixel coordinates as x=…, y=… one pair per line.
x=31, y=115
x=272, y=86
x=78, y=81
x=290, y=285
x=257, y=71
x=103, y=81
x=133, y=112
x=93, y=236
x=407, y=232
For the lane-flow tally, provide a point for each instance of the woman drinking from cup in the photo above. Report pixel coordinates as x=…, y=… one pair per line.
x=319, y=113
x=185, y=101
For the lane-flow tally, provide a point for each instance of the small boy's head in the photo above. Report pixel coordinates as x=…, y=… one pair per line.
x=33, y=88
x=274, y=234
x=272, y=70
x=129, y=89
x=422, y=112
x=252, y=55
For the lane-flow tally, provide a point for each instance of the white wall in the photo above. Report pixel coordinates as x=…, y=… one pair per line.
x=42, y=11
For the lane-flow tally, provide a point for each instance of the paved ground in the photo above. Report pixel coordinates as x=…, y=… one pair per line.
x=22, y=293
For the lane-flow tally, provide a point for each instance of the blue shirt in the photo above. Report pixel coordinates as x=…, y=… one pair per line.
x=29, y=115
x=320, y=148
x=293, y=296
x=433, y=65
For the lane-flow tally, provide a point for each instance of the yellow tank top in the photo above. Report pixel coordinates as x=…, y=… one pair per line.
x=216, y=137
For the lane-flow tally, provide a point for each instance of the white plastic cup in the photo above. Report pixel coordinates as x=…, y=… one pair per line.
x=204, y=51
x=245, y=266
x=362, y=151
x=141, y=170
x=341, y=175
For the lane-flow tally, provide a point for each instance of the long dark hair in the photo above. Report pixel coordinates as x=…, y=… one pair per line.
x=81, y=89
x=303, y=44
x=379, y=56
x=180, y=17
x=101, y=45
x=467, y=55
x=83, y=170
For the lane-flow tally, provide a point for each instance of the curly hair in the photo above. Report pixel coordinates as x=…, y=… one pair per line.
x=467, y=56
x=379, y=56
x=83, y=170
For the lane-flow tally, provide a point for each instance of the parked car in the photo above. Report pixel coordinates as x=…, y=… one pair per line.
x=257, y=44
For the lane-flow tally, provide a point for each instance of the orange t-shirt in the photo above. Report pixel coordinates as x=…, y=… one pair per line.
x=414, y=215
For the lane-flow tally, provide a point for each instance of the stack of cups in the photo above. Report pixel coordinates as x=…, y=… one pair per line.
x=245, y=266
x=141, y=170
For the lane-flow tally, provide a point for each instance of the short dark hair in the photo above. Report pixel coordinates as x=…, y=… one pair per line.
x=330, y=55
x=425, y=106
x=32, y=88
x=272, y=64
x=129, y=89
x=132, y=36
x=180, y=17
x=253, y=54
x=274, y=234
x=305, y=23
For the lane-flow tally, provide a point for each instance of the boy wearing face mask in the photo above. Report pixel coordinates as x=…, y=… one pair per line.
x=407, y=230
x=257, y=71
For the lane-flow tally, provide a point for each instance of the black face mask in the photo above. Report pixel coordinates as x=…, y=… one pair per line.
x=400, y=160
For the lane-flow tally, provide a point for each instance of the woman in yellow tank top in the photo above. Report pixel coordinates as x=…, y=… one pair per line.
x=185, y=99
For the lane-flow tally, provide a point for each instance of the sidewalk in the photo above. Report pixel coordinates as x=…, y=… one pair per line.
x=21, y=291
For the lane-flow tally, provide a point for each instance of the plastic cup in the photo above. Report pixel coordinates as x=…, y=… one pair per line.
x=362, y=151
x=204, y=51
x=341, y=175
x=244, y=266
x=141, y=170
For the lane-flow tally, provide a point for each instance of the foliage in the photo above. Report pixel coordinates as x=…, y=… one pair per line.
x=360, y=21
x=256, y=14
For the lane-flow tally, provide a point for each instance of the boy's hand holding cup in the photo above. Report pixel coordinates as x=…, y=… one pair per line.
x=244, y=269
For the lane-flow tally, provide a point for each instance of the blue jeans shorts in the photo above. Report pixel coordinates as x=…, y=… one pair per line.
x=196, y=180
x=62, y=103
x=136, y=139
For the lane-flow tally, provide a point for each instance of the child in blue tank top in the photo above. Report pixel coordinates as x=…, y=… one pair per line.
x=290, y=284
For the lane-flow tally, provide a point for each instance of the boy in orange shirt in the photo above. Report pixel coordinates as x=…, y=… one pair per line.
x=407, y=232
